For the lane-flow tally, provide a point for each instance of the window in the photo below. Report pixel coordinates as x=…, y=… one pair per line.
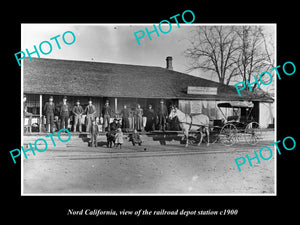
x=33, y=103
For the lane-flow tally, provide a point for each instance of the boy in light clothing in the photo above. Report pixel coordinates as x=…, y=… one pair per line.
x=94, y=132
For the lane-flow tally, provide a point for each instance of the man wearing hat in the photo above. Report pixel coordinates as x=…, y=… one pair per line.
x=151, y=116
x=78, y=111
x=90, y=111
x=125, y=118
x=114, y=125
x=162, y=115
x=64, y=113
x=49, y=110
x=106, y=113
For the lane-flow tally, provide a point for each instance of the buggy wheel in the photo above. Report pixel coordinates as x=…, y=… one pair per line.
x=227, y=134
x=253, y=133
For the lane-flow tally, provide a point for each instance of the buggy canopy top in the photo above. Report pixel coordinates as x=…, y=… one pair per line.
x=241, y=104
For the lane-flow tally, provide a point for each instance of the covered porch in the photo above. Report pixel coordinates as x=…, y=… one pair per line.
x=36, y=102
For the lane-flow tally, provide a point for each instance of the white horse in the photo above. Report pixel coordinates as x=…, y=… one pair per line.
x=196, y=122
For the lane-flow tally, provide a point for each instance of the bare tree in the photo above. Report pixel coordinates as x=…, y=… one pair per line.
x=213, y=49
x=253, y=55
x=232, y=53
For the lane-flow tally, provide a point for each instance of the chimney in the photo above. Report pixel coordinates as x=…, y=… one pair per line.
x=169, y=63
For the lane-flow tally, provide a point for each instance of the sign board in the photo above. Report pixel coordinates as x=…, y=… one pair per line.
x=202, y=90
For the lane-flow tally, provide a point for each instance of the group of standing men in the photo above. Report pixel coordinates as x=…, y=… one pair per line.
x=143, y=119
x=64, y=109
x=140, y=120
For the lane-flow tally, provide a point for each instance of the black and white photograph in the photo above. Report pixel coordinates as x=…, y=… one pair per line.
x=149, y=113
x=181, y=109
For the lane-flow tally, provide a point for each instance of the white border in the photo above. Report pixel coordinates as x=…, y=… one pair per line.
x=22, y=120
x=158, y=194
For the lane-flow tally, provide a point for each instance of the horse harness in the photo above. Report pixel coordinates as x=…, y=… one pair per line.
x=191, y=123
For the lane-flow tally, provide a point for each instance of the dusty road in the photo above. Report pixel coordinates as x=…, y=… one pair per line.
x=170, y=169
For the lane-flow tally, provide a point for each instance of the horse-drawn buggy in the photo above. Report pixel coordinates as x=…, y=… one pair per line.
x=227, y=131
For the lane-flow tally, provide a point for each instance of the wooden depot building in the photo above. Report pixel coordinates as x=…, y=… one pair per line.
x=125, y=84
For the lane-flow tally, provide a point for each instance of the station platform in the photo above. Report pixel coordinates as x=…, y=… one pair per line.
x=154, y=138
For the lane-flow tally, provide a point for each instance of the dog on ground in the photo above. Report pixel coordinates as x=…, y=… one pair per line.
x=110, y=137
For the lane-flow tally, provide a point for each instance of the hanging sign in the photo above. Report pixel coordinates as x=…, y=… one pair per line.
x=202, y=90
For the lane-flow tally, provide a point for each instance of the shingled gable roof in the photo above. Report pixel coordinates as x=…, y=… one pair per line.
x=82, y=78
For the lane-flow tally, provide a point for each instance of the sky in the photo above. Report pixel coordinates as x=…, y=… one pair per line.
x=114, y=43
x=110, y=43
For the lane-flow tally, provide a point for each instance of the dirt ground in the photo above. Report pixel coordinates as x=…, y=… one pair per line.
x=169, y=169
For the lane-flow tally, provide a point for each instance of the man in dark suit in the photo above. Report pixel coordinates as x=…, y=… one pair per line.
x=78, y=111
x=49, y=110
x=162, y=115
x=64, y=113
x=125, y=118
x=151, y=116
x=107, y=114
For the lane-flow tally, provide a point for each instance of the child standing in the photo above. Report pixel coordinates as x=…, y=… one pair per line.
x=94, y=132
x=119, y=138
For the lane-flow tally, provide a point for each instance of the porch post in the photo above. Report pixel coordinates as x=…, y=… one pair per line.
x=41, y=116
x=116, y=105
